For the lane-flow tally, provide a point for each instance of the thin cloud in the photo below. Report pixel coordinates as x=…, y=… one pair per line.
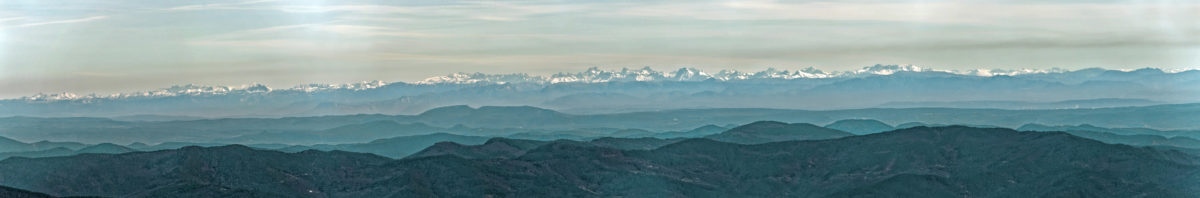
x=484, y=11
x=219, y=6
x=495, y=18
x=335, y=29
x=935, y=12
x=360, y=30
x=92, y=18
x=10, y=19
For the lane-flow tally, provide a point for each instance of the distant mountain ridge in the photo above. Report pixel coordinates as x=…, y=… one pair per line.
x=860, y=126
x=538, y=123
x=591, y=75
x=1066, y=104
x=772, y=131
x=597, y=91
x=437, y=143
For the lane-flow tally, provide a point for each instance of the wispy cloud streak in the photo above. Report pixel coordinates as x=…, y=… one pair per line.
x=80, y=20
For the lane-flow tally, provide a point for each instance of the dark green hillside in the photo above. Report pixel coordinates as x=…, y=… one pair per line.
x=8, y=192
x=951, y=161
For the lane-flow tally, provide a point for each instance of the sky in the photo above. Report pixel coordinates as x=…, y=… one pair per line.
x=113, y=46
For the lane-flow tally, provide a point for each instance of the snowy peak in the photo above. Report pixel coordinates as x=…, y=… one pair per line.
x=364, y=85
x=887, y=70
x=772, y=73
x=52, y=97
x=473, y=78
x=689, y=74
x=196, y=90
x=1007, y=72
x=595, y=75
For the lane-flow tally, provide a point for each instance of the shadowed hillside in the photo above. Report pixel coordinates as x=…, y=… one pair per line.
x=934, y=162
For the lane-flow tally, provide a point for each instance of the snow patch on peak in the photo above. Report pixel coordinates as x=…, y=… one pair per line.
x=689, y=74
x=772, y=73
x=1179, y=70
x=195, y=90
x=889, y=69
x=595, y=75
x=52, y=97
x=473, y=78
x=364, y=85
x=1006, y=72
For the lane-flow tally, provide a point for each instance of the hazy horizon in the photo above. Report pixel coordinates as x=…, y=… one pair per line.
x=131, y=45
x=150, y=87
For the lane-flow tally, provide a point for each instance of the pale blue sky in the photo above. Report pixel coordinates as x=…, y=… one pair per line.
x=129, y=45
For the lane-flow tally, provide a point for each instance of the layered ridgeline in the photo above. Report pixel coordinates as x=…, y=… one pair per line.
x=404, y=146
x=771, y=131
x=919, y=161
x=543, y=124
x=752, y=133
x=598, y=91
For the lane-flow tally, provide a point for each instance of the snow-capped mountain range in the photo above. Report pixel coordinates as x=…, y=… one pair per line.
x=591, y=75
x=198, y=90
x=596, y=75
